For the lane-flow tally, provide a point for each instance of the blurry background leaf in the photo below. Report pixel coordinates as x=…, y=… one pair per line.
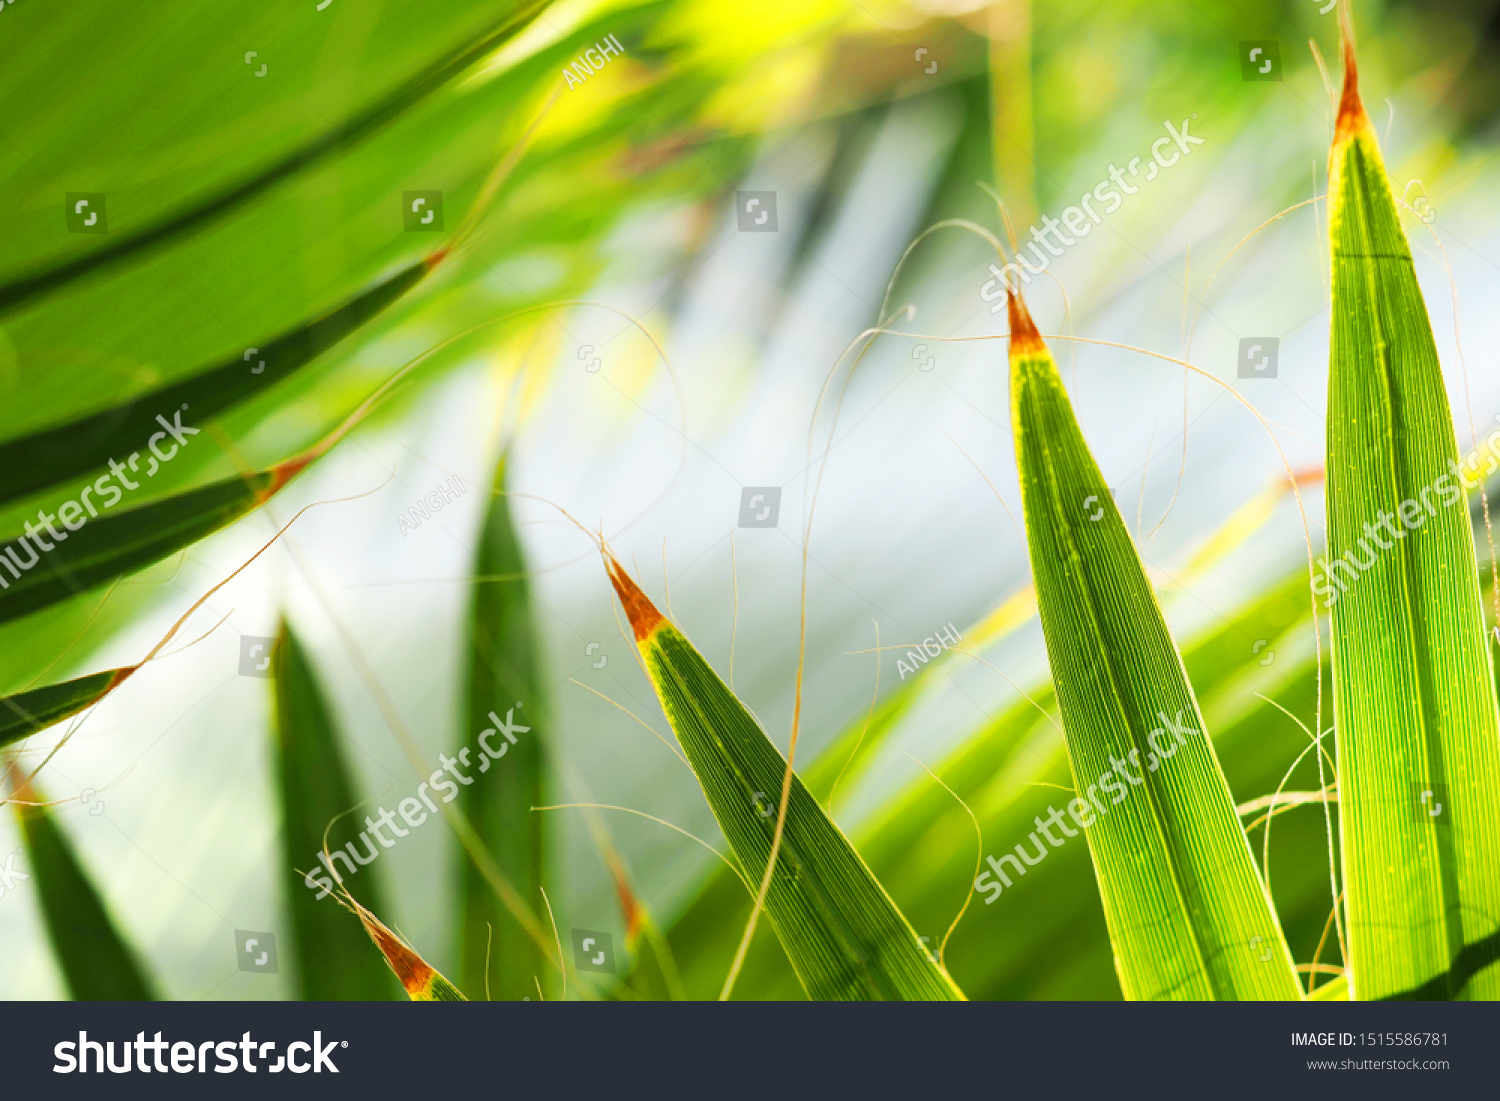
x=204, y=210
x=90, y=442
x=92, y=953
x=123, y=542
x=504, y=692
x=334, y=961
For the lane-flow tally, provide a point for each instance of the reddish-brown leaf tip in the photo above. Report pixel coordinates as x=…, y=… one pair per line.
x=1024, y=339
x=1352, y=117
x=117, y=679
x=409, y=967
x=629, y=905
x=27, y=804
x=282, y=473
x=20, y=787
x=638, y=607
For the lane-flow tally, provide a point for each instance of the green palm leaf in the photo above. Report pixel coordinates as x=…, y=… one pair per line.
x=52, y=455
x=1413, y=686
x=1048, y=940
x=22, y=714
x=503, y=675
x=40, y=569
x=48, y=277
x=842, y=933
x=1187, y=912
x=95, y=959
x=333, y=957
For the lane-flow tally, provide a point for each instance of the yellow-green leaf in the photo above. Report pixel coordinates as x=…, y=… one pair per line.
x=220, y=203
x=1187, y=912
x=1335, y=990
x=842, y=933
x=1413, y=686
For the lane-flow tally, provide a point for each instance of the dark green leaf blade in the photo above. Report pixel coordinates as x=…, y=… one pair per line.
x=24, y=713
x=93, y=955
x=504, y=680
x=334, y=962
x=118, y=543
x=842, y=932
x=53, y=455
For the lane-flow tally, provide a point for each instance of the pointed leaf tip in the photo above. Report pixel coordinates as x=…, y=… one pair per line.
x=1352, y=117
x=423, y=983
x=409, y=967
x=284, y=472
x=34, y=709
x=121, y=674
x=630, y=906
x=638, y=607
x=1413, y=679
x=1024, y=339
x=842, y=933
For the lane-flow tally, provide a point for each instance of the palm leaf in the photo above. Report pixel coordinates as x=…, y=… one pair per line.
x=333, y=959
x=915, y=841
x=421, y=982
x=503, y=676
x=22, y=714
x=1187, y=912
x=52, y=455
x=48, y=277
x=95, y=959
x=1050, y=940
x=118, y=543
x=1414, y=697
x=842, y=933
x=1336, y=990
